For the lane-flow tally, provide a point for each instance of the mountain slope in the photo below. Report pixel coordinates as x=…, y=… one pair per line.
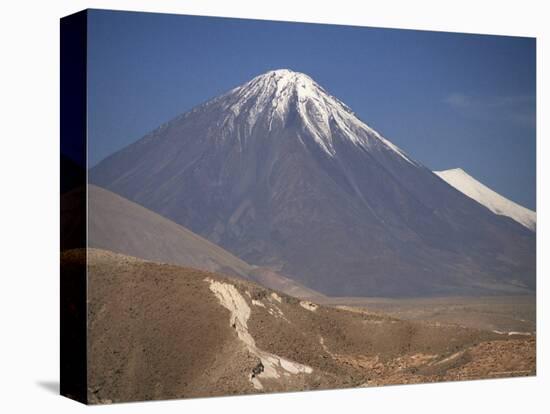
x=119, y=225
x=158, y=331
x=498, y=204
x=284, y=175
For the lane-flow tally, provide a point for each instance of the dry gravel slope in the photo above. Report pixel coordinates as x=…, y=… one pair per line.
x=120, y=225
x=159, y=331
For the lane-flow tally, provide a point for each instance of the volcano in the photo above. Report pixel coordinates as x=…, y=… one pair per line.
x=284, y=175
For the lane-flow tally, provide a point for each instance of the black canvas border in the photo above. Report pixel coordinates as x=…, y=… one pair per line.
x=73, y=178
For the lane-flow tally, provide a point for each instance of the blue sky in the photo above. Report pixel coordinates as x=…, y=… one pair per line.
x=449, y=100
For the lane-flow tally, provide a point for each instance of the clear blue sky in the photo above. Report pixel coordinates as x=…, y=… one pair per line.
x=449, y=100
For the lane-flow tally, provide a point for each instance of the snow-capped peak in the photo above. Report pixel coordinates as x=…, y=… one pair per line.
x=466, y=184
x=272, y=96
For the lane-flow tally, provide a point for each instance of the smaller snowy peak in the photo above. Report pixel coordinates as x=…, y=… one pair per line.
x=468, y=185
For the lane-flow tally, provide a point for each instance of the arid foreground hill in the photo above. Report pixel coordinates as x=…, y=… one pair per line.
x=158, y=331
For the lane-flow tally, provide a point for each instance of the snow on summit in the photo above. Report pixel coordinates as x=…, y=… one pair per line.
x=274, y=95
x=466, y=184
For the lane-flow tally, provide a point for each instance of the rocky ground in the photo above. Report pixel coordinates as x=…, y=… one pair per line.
x=498, y=313
x=158, y=331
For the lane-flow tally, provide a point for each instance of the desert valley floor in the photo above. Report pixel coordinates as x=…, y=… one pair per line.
x=158, y=331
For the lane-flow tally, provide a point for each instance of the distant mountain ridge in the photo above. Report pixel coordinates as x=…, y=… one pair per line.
x=495, y=202
x=285, y=176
